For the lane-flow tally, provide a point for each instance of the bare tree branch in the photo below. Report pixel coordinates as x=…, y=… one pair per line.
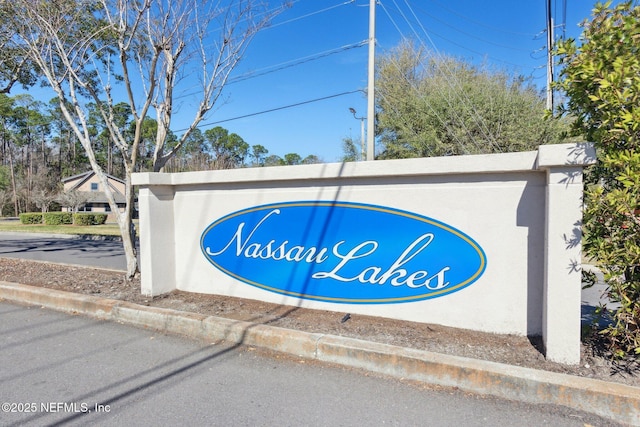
x=156, y=43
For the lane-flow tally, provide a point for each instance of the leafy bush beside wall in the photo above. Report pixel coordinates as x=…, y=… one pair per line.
x=601, y=78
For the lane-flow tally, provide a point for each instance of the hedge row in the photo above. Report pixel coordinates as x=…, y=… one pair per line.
x=31, y=218
x=63, y=218
x=86, y=218
x=57, y=218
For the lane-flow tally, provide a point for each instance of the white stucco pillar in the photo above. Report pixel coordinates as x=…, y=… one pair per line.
x=157, y=239
x=561, y=320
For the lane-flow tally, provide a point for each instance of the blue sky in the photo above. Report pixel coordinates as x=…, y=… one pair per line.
x=506, y=34
x=304, y=106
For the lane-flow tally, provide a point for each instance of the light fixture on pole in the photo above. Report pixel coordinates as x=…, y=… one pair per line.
x=362, y=146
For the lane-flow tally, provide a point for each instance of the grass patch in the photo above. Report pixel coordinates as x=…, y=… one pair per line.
x=15, y=226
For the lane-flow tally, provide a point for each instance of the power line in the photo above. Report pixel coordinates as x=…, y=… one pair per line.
x=448, y=40
x=295, y=62
x=282, y=66
x=271, y=110
x=446, y=125
x=473, y=36
x=311, y=14
x=285, y=65
x=458, y=92
x=482, y=24
x=477, y=117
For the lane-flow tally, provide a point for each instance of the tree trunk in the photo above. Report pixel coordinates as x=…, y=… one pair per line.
x=109, y=158
x=124, y=219
x=128, y=231
x=129, y=244
x=13, y=184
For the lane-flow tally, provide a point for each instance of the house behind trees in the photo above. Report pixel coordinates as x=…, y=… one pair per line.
x=88, y=186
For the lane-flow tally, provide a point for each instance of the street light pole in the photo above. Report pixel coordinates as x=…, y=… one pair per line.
x=362, y=149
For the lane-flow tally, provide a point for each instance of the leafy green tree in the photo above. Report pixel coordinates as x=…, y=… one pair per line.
x=31, y=132
x=435, y=106
x=193, y=155
x=5, y=197
x=4, y=177
x=25, y=129
x=274, y=160
x=350, y=150
x=229, y=150
x=147, y=135
x=258, y=154
x=601, y=78
x=15, y=67
x=237, y=149
x=311, y=159
x=71, y=157
x=194, y=143
x=292, y=159
x=7, y=137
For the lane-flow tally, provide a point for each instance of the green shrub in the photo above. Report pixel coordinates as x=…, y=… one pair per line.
x=82, y=218
x=58, y=218
x=31, y=218
x=89, y=218
x=99, y=218
x=612, y=230
x=600, y=78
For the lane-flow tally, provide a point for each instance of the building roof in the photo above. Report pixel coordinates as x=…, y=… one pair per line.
x=83, y=177
x=100, y=197
x=95, y=196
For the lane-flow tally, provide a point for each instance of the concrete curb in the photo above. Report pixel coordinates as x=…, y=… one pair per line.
x=617, y=402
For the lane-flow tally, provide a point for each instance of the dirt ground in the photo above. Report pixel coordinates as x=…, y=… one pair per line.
x=513, y=350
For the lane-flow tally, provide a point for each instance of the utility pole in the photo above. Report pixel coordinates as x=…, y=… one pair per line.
x=371, y=95
x=549, y=57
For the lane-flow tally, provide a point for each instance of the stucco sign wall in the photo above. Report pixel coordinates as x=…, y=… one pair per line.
x=489, y=242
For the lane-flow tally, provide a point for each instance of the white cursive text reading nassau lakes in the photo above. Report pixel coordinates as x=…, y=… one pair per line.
x=395, y=274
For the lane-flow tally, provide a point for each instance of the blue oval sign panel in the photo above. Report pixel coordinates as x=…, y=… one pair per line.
x=343, y=252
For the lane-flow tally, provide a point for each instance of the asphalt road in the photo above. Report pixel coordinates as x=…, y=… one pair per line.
x=57, y=369
x=63, y=249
